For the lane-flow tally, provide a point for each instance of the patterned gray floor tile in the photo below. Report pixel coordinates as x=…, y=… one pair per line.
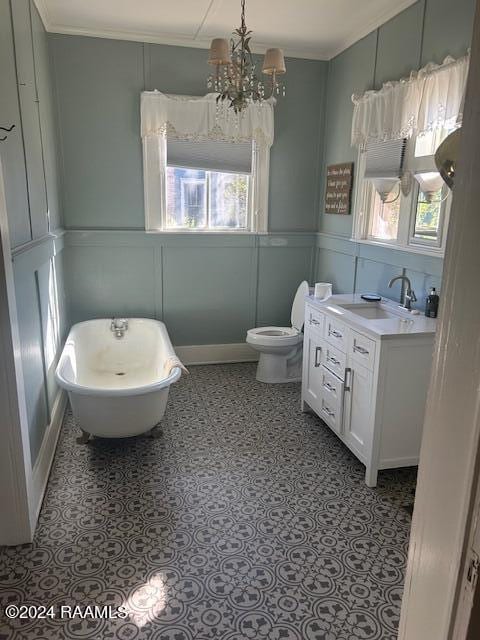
x=245, y=520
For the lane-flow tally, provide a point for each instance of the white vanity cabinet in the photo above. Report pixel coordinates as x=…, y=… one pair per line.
x=367, y=380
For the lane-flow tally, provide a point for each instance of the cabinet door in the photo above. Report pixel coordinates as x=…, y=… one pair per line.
x=312, y=377
x=358, y=408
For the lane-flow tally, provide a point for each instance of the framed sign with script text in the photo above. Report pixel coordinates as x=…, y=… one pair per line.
x=338, y=191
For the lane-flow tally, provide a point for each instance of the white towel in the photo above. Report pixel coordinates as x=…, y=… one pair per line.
x=171, y=363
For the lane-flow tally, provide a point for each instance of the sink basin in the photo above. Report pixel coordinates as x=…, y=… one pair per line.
x=375, y=312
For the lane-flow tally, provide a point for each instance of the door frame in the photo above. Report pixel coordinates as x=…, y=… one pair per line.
x=449, y=460
x=16, y=524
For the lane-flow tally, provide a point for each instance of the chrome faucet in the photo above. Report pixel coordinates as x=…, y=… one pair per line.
x=409, y=295
x=118, y=326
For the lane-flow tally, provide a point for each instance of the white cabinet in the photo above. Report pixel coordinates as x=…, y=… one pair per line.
x=358, y=406
x=369, y=390
x=312, y=353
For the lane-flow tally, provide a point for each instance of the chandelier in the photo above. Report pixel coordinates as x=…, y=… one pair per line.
x=235, y=79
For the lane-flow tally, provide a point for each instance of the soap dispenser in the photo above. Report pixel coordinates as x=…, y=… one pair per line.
x=431, y=305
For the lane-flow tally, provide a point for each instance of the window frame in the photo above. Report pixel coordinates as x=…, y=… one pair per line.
x=405, y=241
x=155, y=190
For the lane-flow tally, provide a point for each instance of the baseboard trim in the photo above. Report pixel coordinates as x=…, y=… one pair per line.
x=395, y=463
x=43, y=463
x=216, y=353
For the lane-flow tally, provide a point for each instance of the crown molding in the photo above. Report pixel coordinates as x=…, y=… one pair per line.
x=380, y=20
x=204, y=42
x=44, y=14
x=178, y=41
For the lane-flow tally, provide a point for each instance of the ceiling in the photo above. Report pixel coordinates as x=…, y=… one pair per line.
x=318, y=29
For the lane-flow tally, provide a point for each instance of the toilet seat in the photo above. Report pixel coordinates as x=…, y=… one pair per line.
x=274, y=336
x=280, y=348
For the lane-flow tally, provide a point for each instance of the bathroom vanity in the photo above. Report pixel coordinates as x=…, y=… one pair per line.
x=366, y=369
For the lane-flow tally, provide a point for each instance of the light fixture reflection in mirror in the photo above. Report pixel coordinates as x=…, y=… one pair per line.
x=446, y=157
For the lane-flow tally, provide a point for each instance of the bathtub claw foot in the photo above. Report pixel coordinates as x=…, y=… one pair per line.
x=84, y=438
x=155, y=432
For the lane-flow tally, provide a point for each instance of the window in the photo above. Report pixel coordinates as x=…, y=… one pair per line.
x=198, y=199
x=209, y=185
x=410, y=214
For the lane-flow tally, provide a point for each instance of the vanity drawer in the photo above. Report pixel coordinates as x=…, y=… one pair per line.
x=331, y=413
x=314, y=319
x=336, y=333
x=332, y=387
x=362, y=349
x=334, y=360
x=331, y=399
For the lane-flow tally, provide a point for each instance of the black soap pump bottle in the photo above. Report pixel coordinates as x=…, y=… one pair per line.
x=431, y=306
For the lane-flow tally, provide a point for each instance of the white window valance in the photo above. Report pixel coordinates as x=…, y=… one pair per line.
x=192, y=118
x=430, y=98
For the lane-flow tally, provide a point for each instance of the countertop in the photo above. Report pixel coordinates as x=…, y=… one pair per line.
x=407, y=324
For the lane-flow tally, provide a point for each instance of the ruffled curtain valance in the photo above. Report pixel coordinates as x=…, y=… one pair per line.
x=191, y=118
x=430, y=98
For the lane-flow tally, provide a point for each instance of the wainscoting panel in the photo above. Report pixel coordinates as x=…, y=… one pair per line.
x=27, y=296
x=209, y=293
x=421, y=284
x=43, y=323
x=359, y=267
x=373, y=277
x=208, y=288
x=282, y=266
x=106, y=281
x=53, y=317
x=337, y=268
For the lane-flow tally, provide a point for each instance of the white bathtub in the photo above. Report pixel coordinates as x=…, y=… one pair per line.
x=118, y=387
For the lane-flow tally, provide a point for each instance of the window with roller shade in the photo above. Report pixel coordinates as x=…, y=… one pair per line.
x=208, y=185
x=400, y=199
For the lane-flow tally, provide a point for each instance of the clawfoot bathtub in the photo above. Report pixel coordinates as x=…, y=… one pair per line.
x=117, y=381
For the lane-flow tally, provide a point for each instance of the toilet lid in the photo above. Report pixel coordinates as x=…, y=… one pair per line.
x=298, y=307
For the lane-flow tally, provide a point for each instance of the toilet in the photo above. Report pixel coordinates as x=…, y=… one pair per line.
x=281, y=347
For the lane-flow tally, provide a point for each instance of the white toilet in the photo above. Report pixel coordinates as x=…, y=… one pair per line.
x=281, y=347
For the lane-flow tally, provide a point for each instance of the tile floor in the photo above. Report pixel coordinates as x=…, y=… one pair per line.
x=245, y=520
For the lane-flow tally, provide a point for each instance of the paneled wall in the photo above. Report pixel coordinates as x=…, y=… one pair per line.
x=98, y=86
x=210, y=289
x=29, y=159
x=426, y=31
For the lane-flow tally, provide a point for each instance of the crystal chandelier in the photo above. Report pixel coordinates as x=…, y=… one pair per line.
x=235, y=78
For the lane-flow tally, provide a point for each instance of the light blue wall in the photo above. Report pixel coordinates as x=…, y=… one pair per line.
x=98, y=111
x=29, y=161
x=211, y=289
x=207, y=288
x=428, y=30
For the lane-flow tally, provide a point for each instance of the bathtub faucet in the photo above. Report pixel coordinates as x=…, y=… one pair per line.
x=118, y=326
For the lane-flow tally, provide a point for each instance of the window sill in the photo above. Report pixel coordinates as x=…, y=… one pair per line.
x=203, y=232
x=426, y=251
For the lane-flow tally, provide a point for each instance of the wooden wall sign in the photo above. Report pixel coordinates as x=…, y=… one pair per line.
x=338, y=192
